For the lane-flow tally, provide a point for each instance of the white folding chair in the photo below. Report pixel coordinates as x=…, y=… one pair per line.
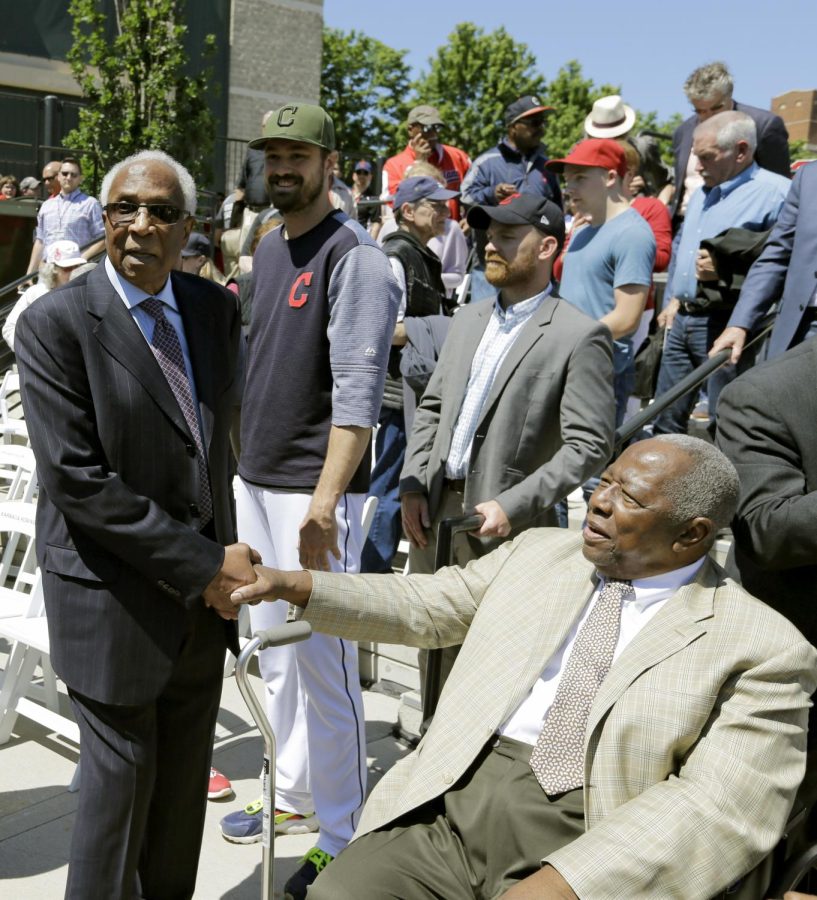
x=11, y=421
x=18, y=559
x=18, y=472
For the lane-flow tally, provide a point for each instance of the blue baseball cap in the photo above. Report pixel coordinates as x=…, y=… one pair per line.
x=421, y=187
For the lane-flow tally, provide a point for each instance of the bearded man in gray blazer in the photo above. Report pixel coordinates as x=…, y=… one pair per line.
x=519, y=410
x=685, y=749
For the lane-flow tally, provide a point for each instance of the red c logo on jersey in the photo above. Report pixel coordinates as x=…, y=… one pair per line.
x=297, y=300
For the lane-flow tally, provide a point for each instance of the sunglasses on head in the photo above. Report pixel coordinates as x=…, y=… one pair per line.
x=124, y=212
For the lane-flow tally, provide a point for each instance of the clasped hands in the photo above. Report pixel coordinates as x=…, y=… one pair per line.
x=235, y=572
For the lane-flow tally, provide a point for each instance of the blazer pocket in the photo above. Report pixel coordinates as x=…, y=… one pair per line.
x=67, y=561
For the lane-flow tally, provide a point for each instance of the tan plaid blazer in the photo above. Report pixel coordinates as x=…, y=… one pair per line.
x=696, y=741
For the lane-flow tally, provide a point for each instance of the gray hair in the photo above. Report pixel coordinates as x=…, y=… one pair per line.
x=709, y=487
x=708, y=81
x=48, y=275
x=185, y=179
x=729, y=128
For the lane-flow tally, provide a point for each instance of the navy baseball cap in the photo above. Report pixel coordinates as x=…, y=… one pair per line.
x=197, y=245
x=363, y=164
x=522, y=209
x=421, y=187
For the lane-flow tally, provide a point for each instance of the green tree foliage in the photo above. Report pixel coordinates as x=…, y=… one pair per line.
x=364, y=87
x=572, y=96
x=472, y=79
x=800, y=150
x=138, y=95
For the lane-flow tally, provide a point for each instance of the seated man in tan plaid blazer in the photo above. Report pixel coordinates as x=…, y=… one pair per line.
x=622, y=720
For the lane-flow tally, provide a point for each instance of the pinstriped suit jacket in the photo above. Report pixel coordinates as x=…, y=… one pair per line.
x=696, y=740
x=123, y=563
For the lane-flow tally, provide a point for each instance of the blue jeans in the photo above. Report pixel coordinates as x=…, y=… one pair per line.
x=390, y=451
x=687, y=346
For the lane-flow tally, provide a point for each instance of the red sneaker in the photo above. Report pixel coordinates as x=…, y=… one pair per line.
x=219, y=786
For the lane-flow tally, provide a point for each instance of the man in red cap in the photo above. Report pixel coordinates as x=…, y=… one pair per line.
x=608, y=263
x=424, y=126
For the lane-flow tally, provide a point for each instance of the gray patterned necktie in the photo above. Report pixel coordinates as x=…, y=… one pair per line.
x=168, y=352
x=557, y=759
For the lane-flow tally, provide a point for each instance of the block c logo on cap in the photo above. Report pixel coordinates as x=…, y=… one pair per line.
x=286, y=116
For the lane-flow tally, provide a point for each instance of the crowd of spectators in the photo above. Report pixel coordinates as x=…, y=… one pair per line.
x=484, y=317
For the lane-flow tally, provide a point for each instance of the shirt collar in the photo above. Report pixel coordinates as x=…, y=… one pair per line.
x=661, y=587
x=521, y=310
x=719, y=191
x=132, y=295
x=74, y=195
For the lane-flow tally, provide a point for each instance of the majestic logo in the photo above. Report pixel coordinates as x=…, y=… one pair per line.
x=296, y=299
x=286, y=116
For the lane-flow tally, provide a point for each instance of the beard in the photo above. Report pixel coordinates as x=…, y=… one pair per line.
x=501, y=273
x=302, y=195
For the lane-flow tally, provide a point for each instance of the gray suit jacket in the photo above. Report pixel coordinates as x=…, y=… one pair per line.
x=772, y=146
x=786, y=270
x=695, y=744
x=547, y=424
x=123, y=563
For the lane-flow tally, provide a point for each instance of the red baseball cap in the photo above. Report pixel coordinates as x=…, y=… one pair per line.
x=600, y=152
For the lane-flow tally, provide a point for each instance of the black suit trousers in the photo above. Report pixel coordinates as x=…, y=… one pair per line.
x=143, y=789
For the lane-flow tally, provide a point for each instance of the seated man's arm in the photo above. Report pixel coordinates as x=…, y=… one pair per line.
x=696, y=832
x=775, y=520
x=416, y=610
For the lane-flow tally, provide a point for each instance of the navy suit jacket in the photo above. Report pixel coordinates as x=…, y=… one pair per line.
x=124, y=564
x=786, y=269
x=772, y=146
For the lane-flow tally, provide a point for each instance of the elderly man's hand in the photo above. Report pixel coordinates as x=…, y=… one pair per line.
x=667, y=315
x=416, y=520
x=705, y=267
x=275, y=584
x=496, y=523
x=733, y=338
x=236, y=571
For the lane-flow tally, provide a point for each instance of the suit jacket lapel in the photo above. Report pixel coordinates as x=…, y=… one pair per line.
x=679, y=623
x=559, y=612
x=121, y=337
x=198, y=329
x=528, y=336
x=468, y=344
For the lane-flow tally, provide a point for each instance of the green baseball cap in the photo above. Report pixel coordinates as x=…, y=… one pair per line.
x=298, y=122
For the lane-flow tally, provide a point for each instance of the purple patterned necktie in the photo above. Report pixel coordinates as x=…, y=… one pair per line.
x=168, y=352
x=557, y=759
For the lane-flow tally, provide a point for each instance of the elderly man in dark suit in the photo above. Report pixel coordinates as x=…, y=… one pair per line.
x=709, y=90
x=128, y=378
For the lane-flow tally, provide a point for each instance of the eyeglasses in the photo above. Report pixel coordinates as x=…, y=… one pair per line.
x=537, y=122
x=124, y=212
x=70, y=174
x=49, y=177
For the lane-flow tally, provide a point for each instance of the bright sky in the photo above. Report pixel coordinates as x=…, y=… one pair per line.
x=648, y=48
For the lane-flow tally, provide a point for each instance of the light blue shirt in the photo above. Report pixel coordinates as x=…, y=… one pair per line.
x=752, y=199
x=502, y=330
x=132, y=296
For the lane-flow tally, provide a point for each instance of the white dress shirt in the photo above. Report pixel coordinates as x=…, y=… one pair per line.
x=651, y=594
x=502, y=330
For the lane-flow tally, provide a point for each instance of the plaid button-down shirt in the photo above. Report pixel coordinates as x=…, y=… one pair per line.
x=76, y=217
x=502, y=330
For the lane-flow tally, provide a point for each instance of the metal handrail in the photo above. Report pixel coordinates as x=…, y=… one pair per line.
x=695, y=378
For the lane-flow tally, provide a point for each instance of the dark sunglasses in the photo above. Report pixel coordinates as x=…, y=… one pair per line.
x=124, y=212
x=70, y=174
